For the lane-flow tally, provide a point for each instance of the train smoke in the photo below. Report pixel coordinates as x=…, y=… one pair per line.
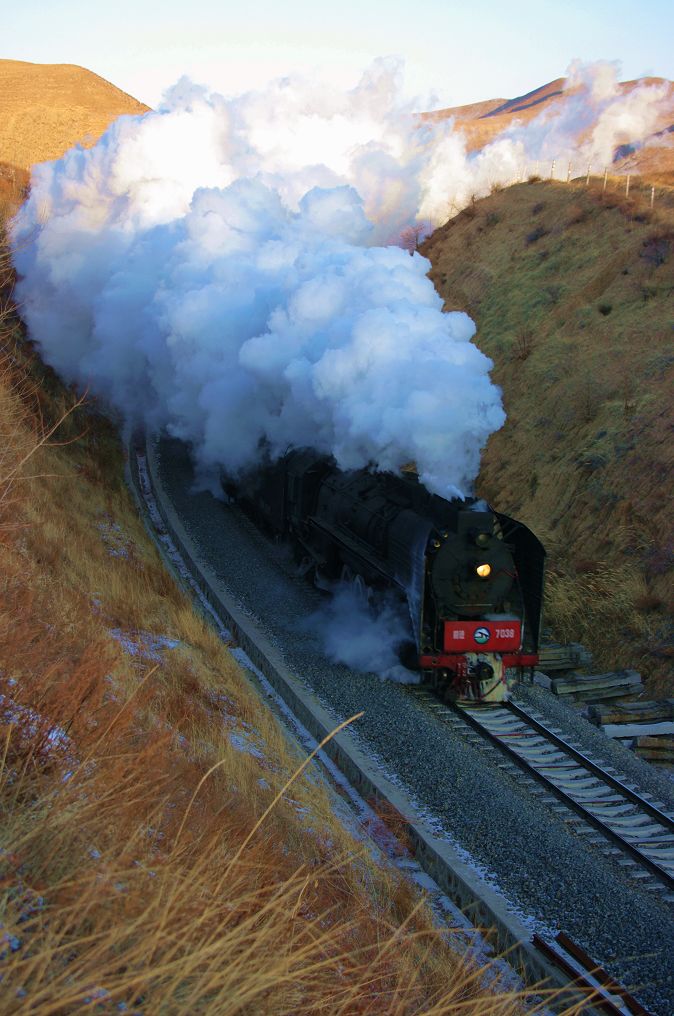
x=200, y=273
x=364, y=636
x=216, y=268
x=583, y=129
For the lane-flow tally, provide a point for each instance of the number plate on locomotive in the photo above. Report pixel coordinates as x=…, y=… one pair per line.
x=482, y=636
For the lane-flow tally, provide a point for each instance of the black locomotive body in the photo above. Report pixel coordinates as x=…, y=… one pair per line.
x=472, y=577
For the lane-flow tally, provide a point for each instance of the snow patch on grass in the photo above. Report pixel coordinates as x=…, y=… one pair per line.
x=240, y=740
x=116, y=541
x=34, y=725
x=143, y=644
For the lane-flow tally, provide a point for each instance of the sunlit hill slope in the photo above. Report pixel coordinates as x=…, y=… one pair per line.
x=47, y=108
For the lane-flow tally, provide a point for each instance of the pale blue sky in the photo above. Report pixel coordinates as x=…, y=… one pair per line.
x=463, y=52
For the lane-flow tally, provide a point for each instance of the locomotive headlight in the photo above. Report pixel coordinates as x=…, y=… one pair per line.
x=483, y=570
x=482, y=539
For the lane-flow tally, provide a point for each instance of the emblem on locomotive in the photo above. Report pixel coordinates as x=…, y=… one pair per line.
x=481, y=635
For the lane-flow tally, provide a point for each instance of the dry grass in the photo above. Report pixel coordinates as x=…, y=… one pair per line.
x=146, y=861
x=579, y=325
x=45, y=109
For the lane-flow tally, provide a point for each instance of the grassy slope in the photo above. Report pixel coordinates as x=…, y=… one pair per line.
x=572, y=294
x=47, y=108
x=133, y=865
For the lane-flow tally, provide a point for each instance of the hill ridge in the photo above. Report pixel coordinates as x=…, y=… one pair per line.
x=45, y=109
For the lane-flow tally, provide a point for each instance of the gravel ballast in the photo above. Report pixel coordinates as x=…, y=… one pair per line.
x=553, y=877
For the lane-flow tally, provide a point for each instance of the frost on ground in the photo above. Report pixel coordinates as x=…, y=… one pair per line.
x=51, y=738
x=437, y=827
x=146, y=646
x=115, y=539
x=143, y=644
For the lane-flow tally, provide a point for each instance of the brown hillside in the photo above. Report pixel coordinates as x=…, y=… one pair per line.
x=572, y=292
x=481, y=122
x=45, y=109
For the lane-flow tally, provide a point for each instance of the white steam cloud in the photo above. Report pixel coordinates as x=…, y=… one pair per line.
x=217, y=268
x=364, y=635
x=583, y=128
x=201, y=270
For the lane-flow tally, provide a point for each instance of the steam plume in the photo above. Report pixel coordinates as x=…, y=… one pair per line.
x=584, y=128
x=202, y=274
x=217, y=268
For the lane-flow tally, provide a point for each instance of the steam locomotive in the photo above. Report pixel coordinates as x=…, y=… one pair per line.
x=472, y=577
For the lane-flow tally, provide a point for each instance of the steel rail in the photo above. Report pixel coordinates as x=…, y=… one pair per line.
x=605, y=993
x=588, y=816
x=593, y=767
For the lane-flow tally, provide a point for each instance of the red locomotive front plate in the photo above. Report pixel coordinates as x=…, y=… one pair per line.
x=482, y=636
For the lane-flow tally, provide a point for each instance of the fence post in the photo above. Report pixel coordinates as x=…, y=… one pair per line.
x=652, y=196
x=605, y=178
x=587, y=178
x=627, y=186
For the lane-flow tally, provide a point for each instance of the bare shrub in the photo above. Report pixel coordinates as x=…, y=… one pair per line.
x=586, y=566
x=412, y=236
x=628, y=395
x=470, y=211
x=524, y=342
x=656, y=250
x=578, y=214
x=588, y=400
x=552, y=294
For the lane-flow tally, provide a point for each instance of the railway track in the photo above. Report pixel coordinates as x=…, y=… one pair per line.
x=562, y=965
x=634, y=828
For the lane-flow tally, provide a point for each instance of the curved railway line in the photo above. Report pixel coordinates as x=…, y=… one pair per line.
x=633, y=826
x=631, y=823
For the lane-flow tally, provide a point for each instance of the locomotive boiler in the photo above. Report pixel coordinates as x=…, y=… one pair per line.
x=472, y=577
